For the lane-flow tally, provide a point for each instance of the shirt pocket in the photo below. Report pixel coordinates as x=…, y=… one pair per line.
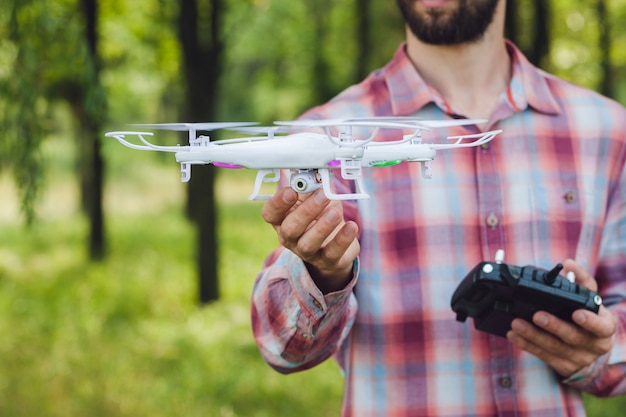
x=556, y=202
x=557, y=213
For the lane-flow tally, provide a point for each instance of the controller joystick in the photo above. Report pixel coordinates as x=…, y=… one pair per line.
x=550, y=276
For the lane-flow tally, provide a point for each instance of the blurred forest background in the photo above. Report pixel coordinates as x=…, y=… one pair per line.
x=125, y=293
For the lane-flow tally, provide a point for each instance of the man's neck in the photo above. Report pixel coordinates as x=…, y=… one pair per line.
x=470, y=77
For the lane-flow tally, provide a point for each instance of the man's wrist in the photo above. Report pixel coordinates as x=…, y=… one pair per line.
x=330, y=282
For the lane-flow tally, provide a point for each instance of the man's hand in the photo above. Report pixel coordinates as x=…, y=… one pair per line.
x=312, y=227
x=564, y=346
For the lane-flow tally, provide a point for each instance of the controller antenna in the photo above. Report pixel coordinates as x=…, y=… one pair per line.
x=550, y=276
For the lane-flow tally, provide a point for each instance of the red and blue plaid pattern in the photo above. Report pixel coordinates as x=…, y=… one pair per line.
x=551, y=186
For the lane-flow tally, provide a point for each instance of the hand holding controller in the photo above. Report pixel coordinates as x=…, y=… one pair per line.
x=494, y=294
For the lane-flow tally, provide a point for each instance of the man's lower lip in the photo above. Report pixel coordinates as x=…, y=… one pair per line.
x=431, y=4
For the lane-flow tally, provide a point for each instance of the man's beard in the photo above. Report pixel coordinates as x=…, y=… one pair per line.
x=467, y=23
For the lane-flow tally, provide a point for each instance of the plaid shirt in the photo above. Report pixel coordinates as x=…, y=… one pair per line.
x=551, y=186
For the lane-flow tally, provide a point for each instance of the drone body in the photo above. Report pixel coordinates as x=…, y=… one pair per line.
x=311, y=157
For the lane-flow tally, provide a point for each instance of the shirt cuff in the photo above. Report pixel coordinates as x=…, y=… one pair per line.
x=586, y=375
x=315, y=304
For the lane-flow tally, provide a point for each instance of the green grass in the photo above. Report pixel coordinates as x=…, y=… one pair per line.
x=125, y=337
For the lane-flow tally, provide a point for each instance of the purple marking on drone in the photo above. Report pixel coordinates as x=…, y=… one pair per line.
x=334, y=163
x=227, y=166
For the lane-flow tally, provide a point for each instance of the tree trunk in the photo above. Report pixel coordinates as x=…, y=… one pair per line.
x=363, y=22
x=93, y=183
x=322, y=90
x=540, y=47
x=201, y=69
x=512, y=26
x=607, y=86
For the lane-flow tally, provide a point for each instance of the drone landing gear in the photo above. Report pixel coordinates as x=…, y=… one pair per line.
x=426, y=170
x=185, y=172
x=356, y=177
x=263, y=176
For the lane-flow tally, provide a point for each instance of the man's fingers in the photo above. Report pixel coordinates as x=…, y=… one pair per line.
x=335, y=259
x=302, y=219
x=277, y=207
x=550, y=348
x=561, y=361
x=569, y=333
x=314, y=237
x=583, y=277
x=565, y=346
x=344, y=247
x=589, y=331
x=601, y=324
x=314, y=229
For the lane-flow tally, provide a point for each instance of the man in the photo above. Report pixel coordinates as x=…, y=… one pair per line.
x=370, y=282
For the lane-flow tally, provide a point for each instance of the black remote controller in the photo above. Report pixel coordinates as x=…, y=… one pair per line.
x=494, y=293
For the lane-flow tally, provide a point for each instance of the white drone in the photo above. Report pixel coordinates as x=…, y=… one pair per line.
x=310, y=157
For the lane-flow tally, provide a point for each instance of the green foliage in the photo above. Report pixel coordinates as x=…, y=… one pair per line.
x=44, y=58
x=125, y=337
x=280, y=54
x=21, y=108
x=141, y=59
x=575, y=51
x=272, y=48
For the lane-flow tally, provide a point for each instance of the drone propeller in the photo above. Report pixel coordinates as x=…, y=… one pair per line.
x=345, y=139
x=206, y=126
x=429, y=123
x=398, y=122
x=364, y=122
x=269, y=132
x=194, y=127
x=243, y=140
x=262, y=130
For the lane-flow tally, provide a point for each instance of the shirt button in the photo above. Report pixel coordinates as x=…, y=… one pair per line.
x=485, y=146
x=317, y=304
x=492, y=220
x=570, y=197
x=505, y=382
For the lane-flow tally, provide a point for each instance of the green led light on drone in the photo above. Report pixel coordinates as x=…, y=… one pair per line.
x=386, y=163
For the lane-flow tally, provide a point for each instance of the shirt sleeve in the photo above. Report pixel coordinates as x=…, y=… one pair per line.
x=296, y=326
x=607, y=376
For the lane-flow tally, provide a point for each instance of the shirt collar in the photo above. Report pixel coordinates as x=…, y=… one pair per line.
x=529, y=85
x=409, y=92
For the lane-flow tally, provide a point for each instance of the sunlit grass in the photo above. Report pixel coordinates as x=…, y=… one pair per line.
x=125, y=336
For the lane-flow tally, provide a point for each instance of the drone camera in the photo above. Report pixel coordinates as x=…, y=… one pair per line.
x=306, y=181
